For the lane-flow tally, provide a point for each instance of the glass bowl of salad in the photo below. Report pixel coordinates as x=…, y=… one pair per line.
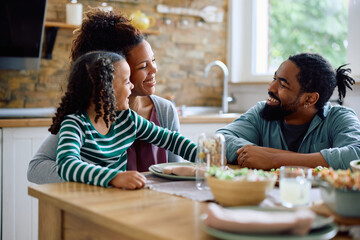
x=340, y=191
x=240, y=186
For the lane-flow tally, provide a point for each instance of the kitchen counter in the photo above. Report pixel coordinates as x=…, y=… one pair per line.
x=25, y=122
x=46, y=122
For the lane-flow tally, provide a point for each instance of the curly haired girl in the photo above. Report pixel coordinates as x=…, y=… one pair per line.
x=96, y=126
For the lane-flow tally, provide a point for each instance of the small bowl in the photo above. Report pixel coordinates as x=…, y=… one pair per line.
x=241, y=192
x=355, y=165
x=344, y=202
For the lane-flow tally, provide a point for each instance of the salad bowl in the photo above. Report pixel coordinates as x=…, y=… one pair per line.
x=340, y=191
x=240, y=187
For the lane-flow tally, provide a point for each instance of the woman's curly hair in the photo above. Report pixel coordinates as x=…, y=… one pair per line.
x=91, y=79
x=317, y=75
x=105, y=31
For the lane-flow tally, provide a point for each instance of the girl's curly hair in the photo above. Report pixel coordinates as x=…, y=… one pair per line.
x=317, y=75
x=90, y=79
x=105, y=31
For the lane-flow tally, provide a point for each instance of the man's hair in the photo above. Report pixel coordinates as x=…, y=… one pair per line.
x=107, y=31
x=91, y=79
x=317, y=75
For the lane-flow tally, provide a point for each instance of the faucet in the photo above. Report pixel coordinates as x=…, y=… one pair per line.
x=225, y=97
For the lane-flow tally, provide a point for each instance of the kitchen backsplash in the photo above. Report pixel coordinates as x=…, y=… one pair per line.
x=184, y=45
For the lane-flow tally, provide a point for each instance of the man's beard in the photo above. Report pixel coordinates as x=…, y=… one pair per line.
x=271, y=113
x=276, y=113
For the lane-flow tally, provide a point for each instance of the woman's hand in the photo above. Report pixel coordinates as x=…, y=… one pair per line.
x=129, y=180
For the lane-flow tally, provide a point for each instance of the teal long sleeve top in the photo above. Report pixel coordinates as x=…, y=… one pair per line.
x=336, y=136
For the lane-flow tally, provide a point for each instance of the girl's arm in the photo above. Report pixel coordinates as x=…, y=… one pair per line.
x=164, y=138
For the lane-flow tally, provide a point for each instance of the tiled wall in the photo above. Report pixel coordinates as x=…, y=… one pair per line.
x=182, y=51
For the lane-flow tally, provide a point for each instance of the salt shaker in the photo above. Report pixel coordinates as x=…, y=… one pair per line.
x=211, y=152
x=74, y=12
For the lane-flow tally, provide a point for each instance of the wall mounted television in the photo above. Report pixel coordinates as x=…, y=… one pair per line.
x=21, y=33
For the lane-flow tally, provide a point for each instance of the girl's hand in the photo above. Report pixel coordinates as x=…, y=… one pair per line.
x=129, y=180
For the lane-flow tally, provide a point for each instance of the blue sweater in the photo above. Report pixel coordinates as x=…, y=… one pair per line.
x=336, y=137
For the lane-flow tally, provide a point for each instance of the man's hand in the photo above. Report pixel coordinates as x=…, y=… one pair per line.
x=267, y=158
x=129, y=180
x=255, y=157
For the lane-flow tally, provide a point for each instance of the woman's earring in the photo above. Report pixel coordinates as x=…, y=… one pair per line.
x=306, y=105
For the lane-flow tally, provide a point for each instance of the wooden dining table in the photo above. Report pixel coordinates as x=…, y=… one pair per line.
x=79, y=211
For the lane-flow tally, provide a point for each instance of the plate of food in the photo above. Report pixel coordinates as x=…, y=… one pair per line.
x=175, y=171
x=321, y=228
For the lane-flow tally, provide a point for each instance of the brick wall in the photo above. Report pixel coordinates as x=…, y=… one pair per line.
x=181, y=51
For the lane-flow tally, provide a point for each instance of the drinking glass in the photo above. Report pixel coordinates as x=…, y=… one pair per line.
x=295, y=185
x=211, y=152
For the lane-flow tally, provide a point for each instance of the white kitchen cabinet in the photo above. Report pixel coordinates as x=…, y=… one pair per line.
x=19, y=211
x=193, y=130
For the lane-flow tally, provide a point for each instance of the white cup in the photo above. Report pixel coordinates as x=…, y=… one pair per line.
x=211, y=152
x=74, y=12
x=295, y=185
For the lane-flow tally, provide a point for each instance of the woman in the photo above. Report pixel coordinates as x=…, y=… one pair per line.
x=113, y=32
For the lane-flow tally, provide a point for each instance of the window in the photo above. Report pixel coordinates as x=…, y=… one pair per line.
x=263, y=33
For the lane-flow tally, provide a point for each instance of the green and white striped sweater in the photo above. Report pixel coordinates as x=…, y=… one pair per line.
x=84, y=155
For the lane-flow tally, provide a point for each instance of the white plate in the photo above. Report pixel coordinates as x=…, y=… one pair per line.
x=157, y=170
x=321, y=229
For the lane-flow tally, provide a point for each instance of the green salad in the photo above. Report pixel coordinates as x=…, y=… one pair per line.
x=241, y=174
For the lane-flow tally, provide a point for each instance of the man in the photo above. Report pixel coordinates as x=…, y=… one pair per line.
x=297, y=125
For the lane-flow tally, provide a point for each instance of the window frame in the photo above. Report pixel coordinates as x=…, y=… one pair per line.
x=242, y=39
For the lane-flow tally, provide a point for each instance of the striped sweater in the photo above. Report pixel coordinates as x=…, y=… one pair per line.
x=84, y=155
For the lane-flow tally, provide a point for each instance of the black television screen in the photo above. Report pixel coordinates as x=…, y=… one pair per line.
x=21, y=32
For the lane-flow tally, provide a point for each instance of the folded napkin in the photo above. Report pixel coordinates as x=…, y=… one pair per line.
x=186, y=171
x=180, y=170
x=257, y=221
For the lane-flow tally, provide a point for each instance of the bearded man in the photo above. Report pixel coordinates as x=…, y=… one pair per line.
x=297, y=125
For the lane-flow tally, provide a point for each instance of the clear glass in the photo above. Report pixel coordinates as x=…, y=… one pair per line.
x=295, y=185
x=211, y=152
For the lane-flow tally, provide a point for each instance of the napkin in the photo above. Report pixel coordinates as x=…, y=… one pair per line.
x=257, y=221
x=180, y=170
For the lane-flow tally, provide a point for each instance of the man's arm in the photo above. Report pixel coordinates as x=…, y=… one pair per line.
x=268, y=158
x=42, y=168
x=243, y=131
x=344, y=132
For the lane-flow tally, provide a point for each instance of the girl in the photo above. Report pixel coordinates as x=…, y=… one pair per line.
x=97, y=127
